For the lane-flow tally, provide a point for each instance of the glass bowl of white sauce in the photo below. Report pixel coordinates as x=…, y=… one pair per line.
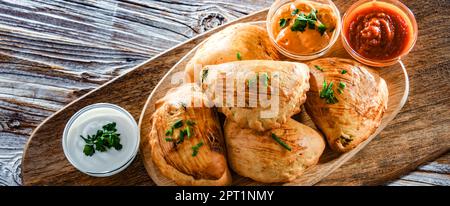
x=88, y=121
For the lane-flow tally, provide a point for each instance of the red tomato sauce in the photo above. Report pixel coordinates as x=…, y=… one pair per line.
x=378, y=32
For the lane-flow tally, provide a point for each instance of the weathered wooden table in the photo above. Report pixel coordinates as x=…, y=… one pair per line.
x=52, y=52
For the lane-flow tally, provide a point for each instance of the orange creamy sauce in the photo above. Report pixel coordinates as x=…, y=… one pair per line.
x=309, y=40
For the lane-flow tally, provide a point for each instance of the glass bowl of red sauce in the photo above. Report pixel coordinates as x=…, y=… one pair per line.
x=378, y=32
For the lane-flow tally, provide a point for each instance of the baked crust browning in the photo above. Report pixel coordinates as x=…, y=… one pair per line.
x=286, y=85
x=250, y=41
x=257, y=156
x=175, y=159
x=360, y=107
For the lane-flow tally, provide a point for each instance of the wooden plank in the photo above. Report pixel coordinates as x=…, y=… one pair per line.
x=429, y=178
x=11, y=148
x=441, y=165
x=431, y=173
x=407, y=183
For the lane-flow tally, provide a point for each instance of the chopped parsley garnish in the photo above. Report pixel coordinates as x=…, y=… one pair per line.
x=279, y=141
x=178, y=124
x=312, y=15
x=181, y=136
x=238, y=56
x=196, y=148
x=302, y=21
x=344, y=71
x=188, y=132
x=328, y=93
x=341, y=87
x=312, y=18
x=103, y=140
x=321, y=28
x=295, y=12
x=169, y=132
x=283, y=22
x=318, y=68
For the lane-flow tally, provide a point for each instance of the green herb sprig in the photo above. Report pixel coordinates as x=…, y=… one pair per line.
x=322, y=28
x=186, y=132
x=341, y=87
x=196, y=148
x=279, y=141
x=284, y=22
x=318, y=68
x=328, y=93
x=104, y=139
x=302, y=21
x=181, y=136
x=177, y=124
x=239, y=56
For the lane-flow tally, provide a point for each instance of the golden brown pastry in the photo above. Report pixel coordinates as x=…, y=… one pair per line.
x=186, y=142
x=349, y=110
x=257, y=94
x=237, y=42
x=261, y=157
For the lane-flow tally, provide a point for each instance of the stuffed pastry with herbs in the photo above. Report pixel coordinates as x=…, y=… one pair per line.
x=237, y=42
x=346, y=101
x=277, y=155
x=186, y=140
x=257, y=94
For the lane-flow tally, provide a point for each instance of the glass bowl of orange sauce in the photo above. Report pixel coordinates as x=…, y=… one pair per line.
x=378, y=32
x=303, y=29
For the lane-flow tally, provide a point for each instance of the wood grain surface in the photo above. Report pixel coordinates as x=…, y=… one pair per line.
x=52, y=52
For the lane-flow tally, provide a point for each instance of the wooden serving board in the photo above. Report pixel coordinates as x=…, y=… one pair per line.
x=396, y=79
x=44, y=163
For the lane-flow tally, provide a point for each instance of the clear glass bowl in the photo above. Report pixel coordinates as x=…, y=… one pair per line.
x=279, y=3
x=129, y=156
x=372, y=62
